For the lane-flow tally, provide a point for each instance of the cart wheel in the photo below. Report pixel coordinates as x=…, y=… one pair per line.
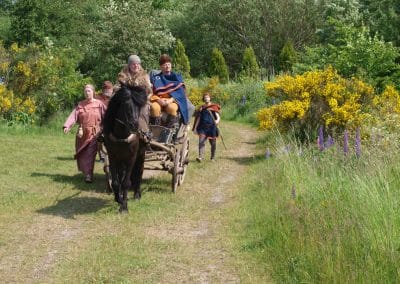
x=184, y=160
x=175, y=172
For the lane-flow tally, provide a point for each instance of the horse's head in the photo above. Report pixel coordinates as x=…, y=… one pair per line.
x=123, y=110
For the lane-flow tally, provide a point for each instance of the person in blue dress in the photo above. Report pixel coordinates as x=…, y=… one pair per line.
x=206, y=126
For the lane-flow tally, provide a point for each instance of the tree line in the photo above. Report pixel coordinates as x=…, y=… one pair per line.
x=233, y=39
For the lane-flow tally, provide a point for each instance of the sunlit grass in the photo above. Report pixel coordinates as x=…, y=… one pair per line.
x=322, y=217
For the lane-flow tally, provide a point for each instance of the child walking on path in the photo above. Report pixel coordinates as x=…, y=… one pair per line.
x=205, y=124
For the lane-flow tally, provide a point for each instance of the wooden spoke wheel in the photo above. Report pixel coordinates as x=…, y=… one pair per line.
x=184, y=160
x=180, y=164
x=175, y=172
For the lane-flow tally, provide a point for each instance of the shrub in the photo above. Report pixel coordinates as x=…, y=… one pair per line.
x=218, y=66
x=304, y=102
x=250, y=68
x=181, y=60
x=212, y=86
x=287, y=57
x=41, y=75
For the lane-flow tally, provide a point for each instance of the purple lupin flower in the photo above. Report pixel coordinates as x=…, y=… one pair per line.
x=358, y=142
x=330, y=142
x=321, y=138
x=267, y=154
x=346, y=143
x=244, y=99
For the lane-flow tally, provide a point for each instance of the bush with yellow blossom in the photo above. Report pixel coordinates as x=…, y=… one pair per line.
x=37, y=81
x=305, y=102
x=15, y=109
x=210, y=86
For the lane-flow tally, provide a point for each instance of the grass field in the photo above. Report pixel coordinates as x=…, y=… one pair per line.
x=300, y=215
x=321, y=217
x=57, y=229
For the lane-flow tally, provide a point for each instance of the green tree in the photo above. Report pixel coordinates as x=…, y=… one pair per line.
x=181, y=60
x=383, y=17
x=250, y=68
x=218, y=66
x=287, y=57
x=66, y=23
x=118, y=34
x=353, y=52
x=233, y=25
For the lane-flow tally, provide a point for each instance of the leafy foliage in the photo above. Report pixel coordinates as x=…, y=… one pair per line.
x=64, y=22
x=287, y=57
x=383, y=18
x=117, y=36
x=304, y=102
x=352, y=52
x=250, y=68
x=218, y=66
x=233, y=25
x=38, y=81
x=181, y=60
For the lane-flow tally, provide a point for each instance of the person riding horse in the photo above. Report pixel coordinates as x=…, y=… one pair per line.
x=134, y=75
x=126, y=130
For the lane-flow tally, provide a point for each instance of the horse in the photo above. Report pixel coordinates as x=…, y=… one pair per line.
x=122, y=138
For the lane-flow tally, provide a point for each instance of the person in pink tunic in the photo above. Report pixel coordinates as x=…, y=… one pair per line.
x=88, y=114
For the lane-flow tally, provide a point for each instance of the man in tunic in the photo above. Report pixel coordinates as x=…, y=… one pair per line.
x=169, y=95
x=106, y=93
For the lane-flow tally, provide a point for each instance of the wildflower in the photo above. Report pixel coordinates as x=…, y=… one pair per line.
x=330, y=142
x=244, y=99
x=321, y=138
x=267, y=154
x=346, y=142
x=358, y=142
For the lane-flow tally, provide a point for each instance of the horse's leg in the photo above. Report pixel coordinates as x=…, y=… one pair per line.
x=137, y=173
x=125, y=186
x=115, y=184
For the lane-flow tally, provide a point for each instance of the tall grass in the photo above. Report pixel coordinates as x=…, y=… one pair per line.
x=322, y=217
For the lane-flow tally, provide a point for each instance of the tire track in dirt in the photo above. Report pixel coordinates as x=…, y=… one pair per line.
x=204, y=256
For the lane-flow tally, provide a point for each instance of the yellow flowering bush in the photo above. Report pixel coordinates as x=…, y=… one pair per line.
x=212, y=87
x=388, y=101
x=5, y=99
x=41, y=81
x=16, y=109
x=304, y=102
x=383, y=127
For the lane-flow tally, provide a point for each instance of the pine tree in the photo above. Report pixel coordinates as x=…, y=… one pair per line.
x=181, y=60
x=250, y=68
x=218, y=66
x=287, y=57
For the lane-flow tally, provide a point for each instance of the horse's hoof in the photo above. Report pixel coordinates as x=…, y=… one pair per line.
x=137, y=196
x=123, y=210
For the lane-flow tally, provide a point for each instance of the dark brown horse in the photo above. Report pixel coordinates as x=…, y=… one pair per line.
x=123, y=141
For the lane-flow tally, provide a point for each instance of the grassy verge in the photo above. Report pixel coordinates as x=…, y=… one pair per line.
x=310, y=216
x=54, y=228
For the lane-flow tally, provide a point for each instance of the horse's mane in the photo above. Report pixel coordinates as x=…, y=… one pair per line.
x=131, y=99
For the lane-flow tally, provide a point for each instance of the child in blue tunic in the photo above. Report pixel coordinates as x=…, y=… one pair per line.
x=206, y=122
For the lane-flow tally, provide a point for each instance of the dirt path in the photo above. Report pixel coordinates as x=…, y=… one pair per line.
x=198, y=231
x=206, y=257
